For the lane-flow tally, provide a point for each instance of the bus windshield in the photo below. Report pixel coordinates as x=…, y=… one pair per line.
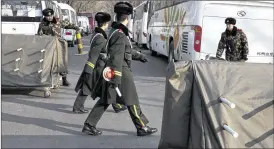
x=21, y=11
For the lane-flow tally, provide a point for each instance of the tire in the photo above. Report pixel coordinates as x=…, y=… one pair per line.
x=144, y=46
x=72, y=43
x=47, y=94
x=153, y=53
x=171, y=51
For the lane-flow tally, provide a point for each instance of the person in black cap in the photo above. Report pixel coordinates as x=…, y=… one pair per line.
x=50, y=26
x=120, y=54
x=234, y=41
x=94, y=66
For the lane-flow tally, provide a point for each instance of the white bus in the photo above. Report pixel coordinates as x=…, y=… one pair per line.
x=191, y=30
x=69, y=13
x=140, y=22
x=23, y=17
x=130, y=26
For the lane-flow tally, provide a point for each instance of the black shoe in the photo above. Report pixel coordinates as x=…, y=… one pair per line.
x=91, y=130
x=80, y=111
x=120, y=110
x=146, y=131
x=65, y=82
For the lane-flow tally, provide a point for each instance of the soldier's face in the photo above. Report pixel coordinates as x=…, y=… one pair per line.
x=49, y=18
x=106, y=25
x=229, y=26
x=126, y=21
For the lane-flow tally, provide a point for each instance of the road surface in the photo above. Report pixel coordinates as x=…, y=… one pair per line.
x=37, y=122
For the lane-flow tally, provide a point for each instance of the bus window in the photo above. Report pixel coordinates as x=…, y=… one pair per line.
x=60, y=13
x=139, y=12
x=73, y=18
x=79, y=23
x=18, y=11
x=54, y=9
x=65, y=14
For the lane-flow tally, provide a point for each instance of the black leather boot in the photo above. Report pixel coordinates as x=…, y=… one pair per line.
x=80, y=111
x=91, y=130
x=117, y=110
x=65, y=81
x=145, y=131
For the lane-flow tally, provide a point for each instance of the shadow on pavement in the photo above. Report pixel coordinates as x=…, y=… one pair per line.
x=54, y=125
x=47, y=106
x=45, y=123
x=69, y=141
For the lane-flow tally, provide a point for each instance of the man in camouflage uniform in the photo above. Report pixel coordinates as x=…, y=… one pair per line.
x=50, y=26
x=234, y=41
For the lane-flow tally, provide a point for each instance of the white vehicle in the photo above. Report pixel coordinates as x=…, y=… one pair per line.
x=191, y=30
x=83, y=23
x=140, y=23
x=57, y=11
x=130, y=26
x=69, y=13
x=23, y=17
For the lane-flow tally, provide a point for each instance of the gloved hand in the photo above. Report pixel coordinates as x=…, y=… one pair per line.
x=143, y=58
x=113, y=84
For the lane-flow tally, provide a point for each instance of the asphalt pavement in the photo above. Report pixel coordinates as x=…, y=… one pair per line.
x=37, y=122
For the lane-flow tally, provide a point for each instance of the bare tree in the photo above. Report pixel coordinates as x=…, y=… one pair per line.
x=94, y=6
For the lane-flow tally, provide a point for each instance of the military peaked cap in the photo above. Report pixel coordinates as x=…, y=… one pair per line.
x=123, y=8
x=102, y=17
x=230, y=21
x=48, y=12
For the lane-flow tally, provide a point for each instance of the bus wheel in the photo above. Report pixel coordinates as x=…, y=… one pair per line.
x=153, y=53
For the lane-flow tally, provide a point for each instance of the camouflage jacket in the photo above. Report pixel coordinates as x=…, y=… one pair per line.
x=53, y=28
x=236, y=45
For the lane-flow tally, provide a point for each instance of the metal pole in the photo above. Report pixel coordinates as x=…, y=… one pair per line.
x=227, y=102
x=231, y=131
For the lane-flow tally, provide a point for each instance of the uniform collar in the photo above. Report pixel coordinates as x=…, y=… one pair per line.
x=53, y=21
x=120, y=26
x=233, y=32
x=101, y=31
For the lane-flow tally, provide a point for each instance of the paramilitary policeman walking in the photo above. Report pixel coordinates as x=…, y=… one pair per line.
x=234, y=41
x=50, y=26
x=94, y=66
x=121, y=54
